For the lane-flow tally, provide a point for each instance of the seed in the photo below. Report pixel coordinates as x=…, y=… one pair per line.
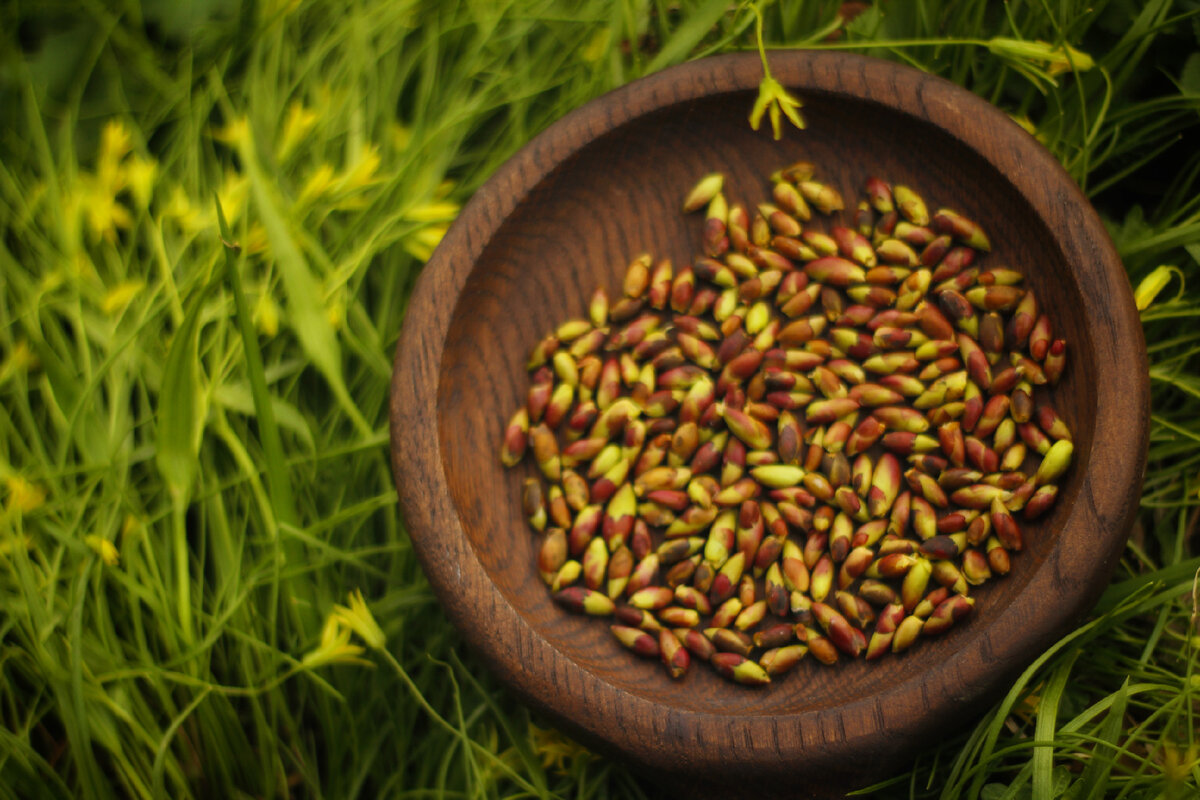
x=703, y=192
x=779, y=660
x=727, y=640
x=674, y=655
x=751, y=615
x=637, y=640
x=1055, y=462
x=739, y=669
x=584, y=601
x=826, y=199
x=1005, y=526
x=947, y=613
x=963, y=229
x=1049, y=421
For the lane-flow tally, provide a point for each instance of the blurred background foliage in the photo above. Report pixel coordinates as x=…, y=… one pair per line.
x=193, y=450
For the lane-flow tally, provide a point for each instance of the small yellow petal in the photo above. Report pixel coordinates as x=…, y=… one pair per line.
x=595, y=49
x=141, y=173
x=179, y=207
x=115, y=143
x=1054, y=59
x=359, y=619
x=232, y=194
x=555, y=749
x=336, y=313
x=1153, y=284
x=362, y=171
x=421, y=244
x=119, y=296
x=103, y=548
x=297, y=125
x=103, y=214
x=318, y=183
x=1025, y=122
x=776, y=129
x=335, y=647
x=433, y=212
x=233, y=133
x=24, y=496
x=1068, y=59
x=760, y=106
x=266, y=315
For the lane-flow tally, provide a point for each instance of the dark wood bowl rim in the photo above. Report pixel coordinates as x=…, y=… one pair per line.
x=1054, y=598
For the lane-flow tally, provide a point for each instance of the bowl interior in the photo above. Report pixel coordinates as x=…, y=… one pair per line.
x=619, y=196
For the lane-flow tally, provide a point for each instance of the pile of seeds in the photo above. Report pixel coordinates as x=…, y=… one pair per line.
x=805, y=442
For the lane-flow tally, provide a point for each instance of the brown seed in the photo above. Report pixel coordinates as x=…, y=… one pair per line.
x=637, y=640
x=585, y=601
x=696, y=643
x=636, y=618
x=779, y=660
x=739, y=669
x=674, y=655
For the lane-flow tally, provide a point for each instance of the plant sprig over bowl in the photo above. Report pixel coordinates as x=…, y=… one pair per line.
x=372, y=123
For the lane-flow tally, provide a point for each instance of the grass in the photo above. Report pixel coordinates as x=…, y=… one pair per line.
x=175, y=562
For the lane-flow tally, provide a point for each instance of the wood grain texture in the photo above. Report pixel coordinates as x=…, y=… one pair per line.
x=564, y=216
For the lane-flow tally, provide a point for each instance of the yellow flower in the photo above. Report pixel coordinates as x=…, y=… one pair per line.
x=21, y=359
x=103, y=548
x=317, y=184
x=1153, y=284
x=266, y=314
x=232, y=194
x=297, y=125
x=103, y=214
x=433, y=212
x=141, y=173
x=362, y=172
x=119, y=296
x=556, y=750
x=1177, y=763
x=23, y=495
x=336, y=312
x=421, y=244
x=774, y=99
x=358, y=617
x=179, y=207
x=1025, y=122
x=598, y=46
x=115, y=143
x=234, y=132
x=1055, y=59
x=335, y=647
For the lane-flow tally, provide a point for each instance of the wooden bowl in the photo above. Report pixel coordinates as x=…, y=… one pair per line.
x=564, y=216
